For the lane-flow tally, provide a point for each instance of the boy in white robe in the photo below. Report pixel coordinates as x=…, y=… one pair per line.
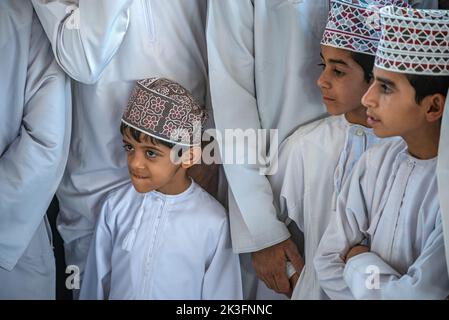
x=35, y=126
x=105, y=46
x=161, y=236
x=319, y=157
x=386, y=239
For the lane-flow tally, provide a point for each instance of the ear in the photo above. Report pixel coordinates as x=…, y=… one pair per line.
x=434, y=105
x=191, y=157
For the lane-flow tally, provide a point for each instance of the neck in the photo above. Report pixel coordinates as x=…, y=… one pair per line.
x=180, y=183
x=423, y=143
x=357, y=116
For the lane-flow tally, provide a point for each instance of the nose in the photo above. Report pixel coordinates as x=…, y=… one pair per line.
x=323, y=81
x=136, y=160
x=369, y=98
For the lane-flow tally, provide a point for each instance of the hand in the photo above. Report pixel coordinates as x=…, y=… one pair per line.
x=356, y=250
x=270, y=265
x=293, y=280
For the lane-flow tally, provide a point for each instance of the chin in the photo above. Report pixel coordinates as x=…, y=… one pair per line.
x=333, y=110
x=381, y=133
x=142, y=189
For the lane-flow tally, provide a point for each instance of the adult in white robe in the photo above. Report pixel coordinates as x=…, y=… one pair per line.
x=35, y=123
x=156, y=246
x=262, y=66
x=314, y=164
x=391, y=203
x=105, y=46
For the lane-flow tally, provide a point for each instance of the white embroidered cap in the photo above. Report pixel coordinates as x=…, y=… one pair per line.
x=355, y=24
x=414, y=41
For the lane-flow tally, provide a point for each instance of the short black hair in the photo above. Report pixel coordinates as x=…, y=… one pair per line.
x=366, y=61
x=427, y=85
x=137, y=135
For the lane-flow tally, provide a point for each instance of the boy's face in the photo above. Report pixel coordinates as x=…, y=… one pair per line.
x=342, y=81
x=149, y=165
x=391, y=106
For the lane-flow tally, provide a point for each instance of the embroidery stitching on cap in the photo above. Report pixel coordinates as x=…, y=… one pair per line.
x=354, y=24
x=414, y=41
x=165, y=110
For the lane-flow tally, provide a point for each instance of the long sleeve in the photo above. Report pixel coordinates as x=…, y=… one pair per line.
x=288, y=182
x=222, y=280
x=342, y=233
x=231, y=54
x=32, y=166
x=97, y=276
x=85, y=35
x=425, y=279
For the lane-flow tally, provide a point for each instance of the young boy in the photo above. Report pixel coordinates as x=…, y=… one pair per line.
x=317, y=159
x=161, y=236
x=386, y=239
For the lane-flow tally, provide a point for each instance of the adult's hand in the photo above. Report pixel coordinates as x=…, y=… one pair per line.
x=270, y=265
x=356, y=250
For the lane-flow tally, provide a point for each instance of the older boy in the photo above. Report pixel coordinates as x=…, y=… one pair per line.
x=320, y=157
x=386, y=239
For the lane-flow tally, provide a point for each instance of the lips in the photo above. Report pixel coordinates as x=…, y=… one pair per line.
x=137, y=176
x=328, y=99
x=371, y=119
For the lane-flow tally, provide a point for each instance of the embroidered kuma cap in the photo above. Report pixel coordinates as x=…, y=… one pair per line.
x=354, y=25
x=414, y=41
x=165, y=110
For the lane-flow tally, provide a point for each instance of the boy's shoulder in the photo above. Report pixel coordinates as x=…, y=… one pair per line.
x=319, y=132
x=387, y=150
x=206, y=206
x=119, y=193
x=117, y=198
x=320, y=128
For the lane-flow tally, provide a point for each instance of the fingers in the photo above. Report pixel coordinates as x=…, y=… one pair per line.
x=270, y=267
x=282, y=282
x=277, y=281
x=292, y=253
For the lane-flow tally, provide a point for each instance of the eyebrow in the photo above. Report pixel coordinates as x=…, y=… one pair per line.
x=335, y=61
x=125, y=140
x=385, y=81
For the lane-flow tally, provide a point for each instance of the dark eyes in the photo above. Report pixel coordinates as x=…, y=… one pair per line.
x=150, y=154
x=385, y=88
x=128, y=147
x=337, y=72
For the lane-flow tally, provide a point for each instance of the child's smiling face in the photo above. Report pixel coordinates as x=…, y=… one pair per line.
x=149, y=164
x=342, y=81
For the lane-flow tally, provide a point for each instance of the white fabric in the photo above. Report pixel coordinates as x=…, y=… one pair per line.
x=34, y=275
x=443, y=175
x=156, y=246
x=263, y=57
x=35, y=123
x=314, y=163
x=107, y=45
x=390, y=202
